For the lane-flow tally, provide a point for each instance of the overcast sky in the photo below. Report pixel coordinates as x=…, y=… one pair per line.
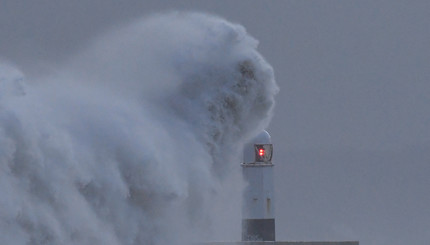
x=351, y=127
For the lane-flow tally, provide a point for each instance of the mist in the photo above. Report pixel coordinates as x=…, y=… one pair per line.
x=134, y=139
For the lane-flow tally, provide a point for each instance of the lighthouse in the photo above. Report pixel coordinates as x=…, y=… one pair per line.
x=258, y=212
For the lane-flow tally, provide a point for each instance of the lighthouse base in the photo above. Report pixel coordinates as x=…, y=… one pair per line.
x=258, y=230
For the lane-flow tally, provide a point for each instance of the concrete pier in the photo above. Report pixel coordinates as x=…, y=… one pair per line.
x=285, y=243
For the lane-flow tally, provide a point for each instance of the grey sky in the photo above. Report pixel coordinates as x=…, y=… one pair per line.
x=351, y=126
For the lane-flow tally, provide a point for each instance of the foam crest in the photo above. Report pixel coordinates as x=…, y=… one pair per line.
x=130, y=141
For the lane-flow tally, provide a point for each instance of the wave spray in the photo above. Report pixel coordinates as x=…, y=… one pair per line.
x=130, y=141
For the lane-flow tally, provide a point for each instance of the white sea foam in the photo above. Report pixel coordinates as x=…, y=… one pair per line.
x=131, y=141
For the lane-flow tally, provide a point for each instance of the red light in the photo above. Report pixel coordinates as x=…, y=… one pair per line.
x=261, y=152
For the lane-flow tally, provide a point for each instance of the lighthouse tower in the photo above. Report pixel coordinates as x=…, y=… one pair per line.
x=258, y=211
x=258, y=217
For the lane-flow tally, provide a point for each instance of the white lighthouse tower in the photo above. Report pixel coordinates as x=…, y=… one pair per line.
x=258, y=212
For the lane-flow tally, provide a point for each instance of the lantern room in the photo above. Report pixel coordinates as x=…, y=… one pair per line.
x=259, y=150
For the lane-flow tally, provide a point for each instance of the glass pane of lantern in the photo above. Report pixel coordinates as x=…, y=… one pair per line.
x=263, y=152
